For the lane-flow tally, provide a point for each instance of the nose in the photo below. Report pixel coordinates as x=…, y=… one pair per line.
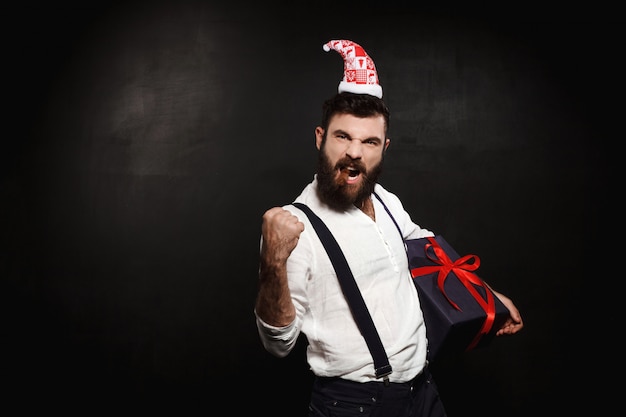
x=355, y=150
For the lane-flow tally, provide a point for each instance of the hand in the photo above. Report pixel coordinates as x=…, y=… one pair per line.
x=281, y=231
x=513, y=323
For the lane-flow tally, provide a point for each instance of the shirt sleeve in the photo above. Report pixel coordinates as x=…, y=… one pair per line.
x=278, y=341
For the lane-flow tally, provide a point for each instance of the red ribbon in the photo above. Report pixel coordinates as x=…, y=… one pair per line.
x=463, y=269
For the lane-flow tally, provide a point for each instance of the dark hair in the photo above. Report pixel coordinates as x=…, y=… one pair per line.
x=360, y=105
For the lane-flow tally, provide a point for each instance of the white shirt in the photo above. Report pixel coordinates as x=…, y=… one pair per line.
x=377, y=257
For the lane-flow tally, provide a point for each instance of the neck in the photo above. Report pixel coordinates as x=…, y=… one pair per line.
x=367, y=207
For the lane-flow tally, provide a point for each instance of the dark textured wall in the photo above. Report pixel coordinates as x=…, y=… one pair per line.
x=147, y=140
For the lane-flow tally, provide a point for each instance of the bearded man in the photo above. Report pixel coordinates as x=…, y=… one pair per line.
x=299, y=291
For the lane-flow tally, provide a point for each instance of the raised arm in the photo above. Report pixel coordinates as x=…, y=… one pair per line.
x=280, y=233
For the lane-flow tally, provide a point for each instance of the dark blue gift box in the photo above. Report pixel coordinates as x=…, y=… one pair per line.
x=461, y=313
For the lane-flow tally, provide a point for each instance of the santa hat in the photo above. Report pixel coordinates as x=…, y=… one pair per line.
x=359, y=71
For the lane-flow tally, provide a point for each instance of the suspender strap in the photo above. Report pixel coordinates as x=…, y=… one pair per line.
x=389, y=213
x=352, y=293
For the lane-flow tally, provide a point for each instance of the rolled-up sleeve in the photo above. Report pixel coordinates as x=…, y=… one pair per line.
x=278, y=341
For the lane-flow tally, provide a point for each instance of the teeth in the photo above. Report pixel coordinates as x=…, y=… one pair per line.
x=352, y=173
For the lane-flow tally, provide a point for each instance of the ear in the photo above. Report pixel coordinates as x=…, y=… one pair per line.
x=387, y=142
x=319, y=137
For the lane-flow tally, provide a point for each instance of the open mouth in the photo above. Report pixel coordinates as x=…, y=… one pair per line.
x=350, y=174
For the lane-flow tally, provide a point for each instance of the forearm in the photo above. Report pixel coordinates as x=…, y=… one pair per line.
x=514, y=323
x=276, y=314
x=273, y=303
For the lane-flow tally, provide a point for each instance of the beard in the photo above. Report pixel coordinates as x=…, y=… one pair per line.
x=335, y=192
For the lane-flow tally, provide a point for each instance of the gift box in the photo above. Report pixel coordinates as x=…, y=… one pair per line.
x=461, y=313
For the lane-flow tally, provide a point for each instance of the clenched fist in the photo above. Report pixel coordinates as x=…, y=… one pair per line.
x=281, y=231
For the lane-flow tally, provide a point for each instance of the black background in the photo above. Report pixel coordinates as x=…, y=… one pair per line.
x=144, y=141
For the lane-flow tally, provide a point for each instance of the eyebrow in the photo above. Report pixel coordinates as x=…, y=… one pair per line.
x=343, y=132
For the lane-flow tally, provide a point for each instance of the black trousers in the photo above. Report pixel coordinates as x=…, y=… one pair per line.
x=336, y=397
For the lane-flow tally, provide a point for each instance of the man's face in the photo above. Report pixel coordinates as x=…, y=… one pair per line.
x=350, y=159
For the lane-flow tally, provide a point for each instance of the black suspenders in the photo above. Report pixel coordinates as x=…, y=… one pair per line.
x=353, y=295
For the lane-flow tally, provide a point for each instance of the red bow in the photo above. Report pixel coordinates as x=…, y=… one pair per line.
x=463, y=269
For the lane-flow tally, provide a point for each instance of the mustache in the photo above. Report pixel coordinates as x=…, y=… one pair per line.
x=347, y=162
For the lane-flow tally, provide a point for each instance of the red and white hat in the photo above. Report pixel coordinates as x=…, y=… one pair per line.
x=359, y=71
